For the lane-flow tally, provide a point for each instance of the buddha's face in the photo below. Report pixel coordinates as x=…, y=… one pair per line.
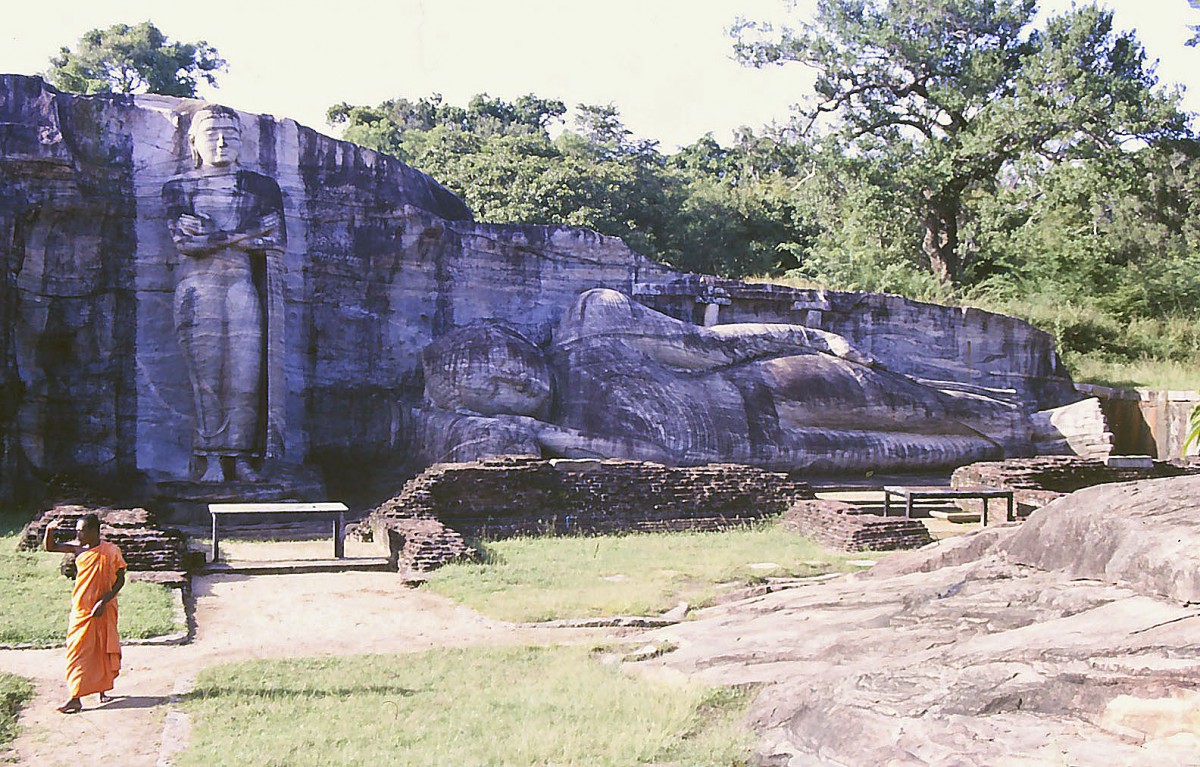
x=216, y=140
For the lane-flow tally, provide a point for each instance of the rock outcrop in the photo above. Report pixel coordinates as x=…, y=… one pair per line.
x=1143, y=535
x=487, y=369
x=783, y=397
x=1070, y=639
x=359, y=263
x=625, y=381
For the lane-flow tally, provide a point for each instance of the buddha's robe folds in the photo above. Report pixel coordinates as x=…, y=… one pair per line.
x=93, y=647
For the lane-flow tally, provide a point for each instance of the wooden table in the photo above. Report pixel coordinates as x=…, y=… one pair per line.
x=335, y=510
x=911, y=494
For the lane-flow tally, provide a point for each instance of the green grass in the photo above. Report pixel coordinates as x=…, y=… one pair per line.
x=511, y=706
x=1144, y=373
x=37, y=601
x=15, y=691
x=538, y=579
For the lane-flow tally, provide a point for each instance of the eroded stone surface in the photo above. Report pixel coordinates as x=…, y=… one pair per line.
x=632, y=383
x=1140, y=533
x=982, y=660
x=487, y=369
x=229, y=228
x=782, y=397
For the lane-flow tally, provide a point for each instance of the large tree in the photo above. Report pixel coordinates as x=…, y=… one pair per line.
x=947, y=94
x=134, y=59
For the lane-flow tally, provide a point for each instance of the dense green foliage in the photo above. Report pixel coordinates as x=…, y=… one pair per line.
x=956, y=150
x=134, y=59
x=936, y=99
x=479, y=706
x=1193, y=435
x=705, y=208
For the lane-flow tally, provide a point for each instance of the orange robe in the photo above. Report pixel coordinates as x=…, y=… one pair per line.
x=93, y=647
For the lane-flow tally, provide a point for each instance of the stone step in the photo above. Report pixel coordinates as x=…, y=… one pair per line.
x=960, y=517
x=297, y=566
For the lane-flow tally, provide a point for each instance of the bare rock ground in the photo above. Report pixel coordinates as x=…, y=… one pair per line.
x=1070, y=640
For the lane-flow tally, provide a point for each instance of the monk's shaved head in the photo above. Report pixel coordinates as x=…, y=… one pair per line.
x=87, y=529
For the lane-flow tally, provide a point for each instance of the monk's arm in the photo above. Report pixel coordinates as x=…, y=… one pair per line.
x=110, y=594
x=49, y=544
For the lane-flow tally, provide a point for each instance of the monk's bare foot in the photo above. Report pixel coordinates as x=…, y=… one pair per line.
x=105, y=698
x=73, y=706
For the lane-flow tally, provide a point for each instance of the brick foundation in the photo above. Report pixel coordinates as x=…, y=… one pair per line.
x=845, y=527
x=146, y=547
x=424, y=544
x=507, y=496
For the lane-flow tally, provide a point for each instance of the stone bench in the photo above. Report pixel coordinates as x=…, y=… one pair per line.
x=337, y=511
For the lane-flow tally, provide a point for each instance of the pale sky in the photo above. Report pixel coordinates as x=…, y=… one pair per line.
x=666, y=64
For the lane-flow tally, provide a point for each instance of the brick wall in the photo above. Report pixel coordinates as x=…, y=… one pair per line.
x=1037, y=481
x=502, y=497
x=145, y=546
x=845, y=527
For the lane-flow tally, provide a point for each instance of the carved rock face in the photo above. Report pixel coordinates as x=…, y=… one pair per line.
x=372, y=261
x=777, y=396
x=487, y=368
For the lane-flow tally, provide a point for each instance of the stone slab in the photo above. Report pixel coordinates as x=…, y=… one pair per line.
x=295, y=566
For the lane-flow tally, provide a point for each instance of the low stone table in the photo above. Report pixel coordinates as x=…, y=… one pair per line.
x=916, y=493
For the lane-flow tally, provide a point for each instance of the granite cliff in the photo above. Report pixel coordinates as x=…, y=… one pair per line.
x=368, y=261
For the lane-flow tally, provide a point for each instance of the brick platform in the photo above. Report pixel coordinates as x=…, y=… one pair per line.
x=503, y=497
x=845, y=527
x=145, y=546
x=424, y=544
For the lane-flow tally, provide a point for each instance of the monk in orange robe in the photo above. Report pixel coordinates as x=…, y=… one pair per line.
x=93, y=647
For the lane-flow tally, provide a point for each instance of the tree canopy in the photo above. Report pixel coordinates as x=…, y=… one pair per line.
x=705, y=208
x=134, y=59
x=943, y=96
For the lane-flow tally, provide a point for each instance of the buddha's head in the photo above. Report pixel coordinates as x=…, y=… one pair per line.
x=215, y=136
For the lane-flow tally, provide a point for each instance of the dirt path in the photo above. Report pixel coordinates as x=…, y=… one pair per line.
x=237, y=618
